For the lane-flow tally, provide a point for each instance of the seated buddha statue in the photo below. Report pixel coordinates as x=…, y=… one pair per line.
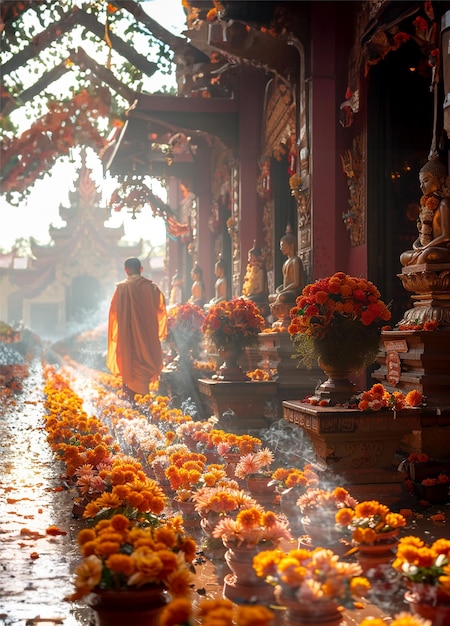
x=254, y=286
x=198, y=287
x=220, y=286
x=431, y=249
x=286, y=294
x=433, y=242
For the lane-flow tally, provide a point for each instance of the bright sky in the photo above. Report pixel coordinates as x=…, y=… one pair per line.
x=41, y=208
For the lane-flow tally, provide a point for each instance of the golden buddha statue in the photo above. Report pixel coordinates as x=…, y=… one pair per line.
x=433, y=243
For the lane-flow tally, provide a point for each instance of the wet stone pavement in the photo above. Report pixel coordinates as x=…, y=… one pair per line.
x=36, y=567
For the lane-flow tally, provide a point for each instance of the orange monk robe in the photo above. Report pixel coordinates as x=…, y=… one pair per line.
x=137, y=324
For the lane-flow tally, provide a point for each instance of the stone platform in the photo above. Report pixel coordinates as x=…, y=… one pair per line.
x=242, y=402
x=357, y=448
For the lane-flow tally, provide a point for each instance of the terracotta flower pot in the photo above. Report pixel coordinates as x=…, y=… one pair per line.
x=318, y=613
x=140, y=607
x=243, y=585
x=430, y=603
x=374, y=556
x=259, y=488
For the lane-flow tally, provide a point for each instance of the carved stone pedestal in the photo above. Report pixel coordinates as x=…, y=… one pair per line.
x=357, y=448
x=246, y=399
x=431, y=285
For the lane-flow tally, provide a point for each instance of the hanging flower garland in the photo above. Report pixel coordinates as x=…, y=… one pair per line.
x=27, y=158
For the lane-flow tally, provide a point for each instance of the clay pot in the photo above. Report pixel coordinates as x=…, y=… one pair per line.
x=372, y=557
x=187, y=509
x=243, y=585
x=140, y=607
x=318, y=613
x=320, y=526
x=430, y=603
x=260, y=490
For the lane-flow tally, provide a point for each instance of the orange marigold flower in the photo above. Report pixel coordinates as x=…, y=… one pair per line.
x=344, y=516
x=120, y=564
x=413, y=398
x=54, y=531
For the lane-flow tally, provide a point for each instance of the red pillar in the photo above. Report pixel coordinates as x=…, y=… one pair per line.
x=251, y=94
x=324, y=109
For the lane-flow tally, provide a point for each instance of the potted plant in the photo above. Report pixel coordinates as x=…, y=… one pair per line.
x=254, y=468
x=400, y=619
x=233, y=325
x=337, y=322
x=212, y=503
x=125, y=568
x=311, y=583
x=187, y=472
x=290, y=483
x=252, y=530
x=215, y=611
x=184, y=328
x=425, y=571
x=374, y=530
x=318, y=507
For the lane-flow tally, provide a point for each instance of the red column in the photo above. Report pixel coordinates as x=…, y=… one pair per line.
x=323, y=120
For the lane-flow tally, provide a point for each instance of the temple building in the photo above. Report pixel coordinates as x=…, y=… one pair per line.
x=70, y=281
x=311, y=116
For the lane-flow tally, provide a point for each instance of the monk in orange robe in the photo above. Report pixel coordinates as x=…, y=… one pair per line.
x=137, y=324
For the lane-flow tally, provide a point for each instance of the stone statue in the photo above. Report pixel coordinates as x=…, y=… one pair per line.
x=176, y=290
x=221, y=285
x=292, y=272
x=426, y=268
x=433, y=243
x=255, y=280
x=285, y=295
x=198, y=287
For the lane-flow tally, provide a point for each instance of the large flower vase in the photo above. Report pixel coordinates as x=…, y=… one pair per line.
x=308, y=613
x=375, y=557
x=429, y=602
x=140, y=607
x=260, y=490
x=243, y=585
x=338, y=387
x=230, y=369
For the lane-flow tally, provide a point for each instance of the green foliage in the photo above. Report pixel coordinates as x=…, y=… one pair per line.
x=348, y=346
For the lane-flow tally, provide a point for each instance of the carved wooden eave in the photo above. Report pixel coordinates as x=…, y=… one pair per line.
x=199, y=118
x=280, y=119
x=244, y=45
x=376, y=25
